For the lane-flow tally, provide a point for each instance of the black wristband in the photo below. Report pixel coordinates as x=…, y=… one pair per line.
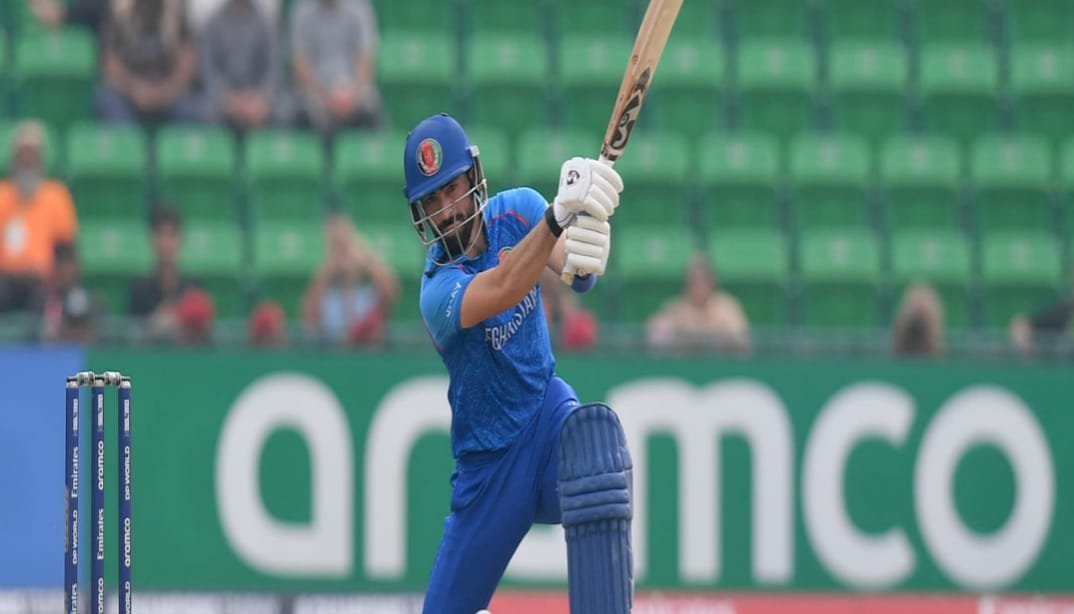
x=550, y=219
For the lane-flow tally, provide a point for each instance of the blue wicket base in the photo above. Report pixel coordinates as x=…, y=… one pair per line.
x=70, y=540
x=123, y=550
x=97, y=593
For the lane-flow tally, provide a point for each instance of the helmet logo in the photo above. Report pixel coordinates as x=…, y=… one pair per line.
x=429, y=157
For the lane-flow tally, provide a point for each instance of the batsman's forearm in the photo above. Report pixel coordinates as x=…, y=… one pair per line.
x=523, y=265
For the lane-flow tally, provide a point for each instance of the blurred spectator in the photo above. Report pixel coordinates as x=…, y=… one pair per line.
x=570, y=325
x=89, y=14
x=195, y=314
x=69, y=313
x=703, y=317
x=268, y=326
x=154, y=298
x=919, y=323
x=352, y=294
x=240, y=67
x=200, y=12
x=1031, y=333
x=36, y=215
x=333, y=50
x=149, y=63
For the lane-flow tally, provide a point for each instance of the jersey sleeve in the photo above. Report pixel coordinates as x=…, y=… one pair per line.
x=441, y=301
x=529, y=204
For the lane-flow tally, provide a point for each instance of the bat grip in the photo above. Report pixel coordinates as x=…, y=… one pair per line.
x=569, y=271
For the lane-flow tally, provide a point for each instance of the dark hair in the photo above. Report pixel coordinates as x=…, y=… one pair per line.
x=164, y=215
x=64, y=252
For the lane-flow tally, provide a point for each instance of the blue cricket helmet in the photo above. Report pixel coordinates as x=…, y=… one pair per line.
x=437, y=151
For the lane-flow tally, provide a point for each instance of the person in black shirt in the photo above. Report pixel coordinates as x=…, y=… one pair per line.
x=1045, y=327
x=153, y=298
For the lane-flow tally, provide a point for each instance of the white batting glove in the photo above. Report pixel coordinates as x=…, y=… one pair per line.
x=586, y=186
x=589, y=241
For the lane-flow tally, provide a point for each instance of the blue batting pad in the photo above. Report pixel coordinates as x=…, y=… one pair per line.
x=595, y=500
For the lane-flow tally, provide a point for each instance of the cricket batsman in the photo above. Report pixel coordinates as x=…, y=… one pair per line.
x=525, y=450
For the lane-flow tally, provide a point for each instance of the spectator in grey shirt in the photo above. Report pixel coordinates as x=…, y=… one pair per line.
x=240, y=68
x=333, y=50
x=149, y=62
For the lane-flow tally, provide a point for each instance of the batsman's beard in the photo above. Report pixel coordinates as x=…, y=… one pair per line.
x=458, y=240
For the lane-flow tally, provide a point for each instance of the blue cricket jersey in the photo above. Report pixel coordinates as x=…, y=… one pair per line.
x=499, y=368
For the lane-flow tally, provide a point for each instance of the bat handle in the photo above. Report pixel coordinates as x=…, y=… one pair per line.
x=569, y=271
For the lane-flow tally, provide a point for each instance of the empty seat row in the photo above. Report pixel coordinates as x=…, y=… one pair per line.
x=843, y=278
x=927, y=20
x=725, y=181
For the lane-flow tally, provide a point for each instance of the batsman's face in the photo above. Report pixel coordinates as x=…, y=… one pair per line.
x=448, y=209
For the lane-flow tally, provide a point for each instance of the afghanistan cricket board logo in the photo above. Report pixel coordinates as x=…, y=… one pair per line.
x=429, y=157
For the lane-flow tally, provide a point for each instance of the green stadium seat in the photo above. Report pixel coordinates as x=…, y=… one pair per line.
x=368, y=176
x=197, y=171
x=51, y=151
x=740, y=175
x=428, y=15
x=1050, y=21
x=829, y=176
x=54, y=76
x=416, y=73
x=212, y=253
x=22, y=19
x=507, y=77
x=753, y=265
x=920, y=178
x=652, y=263
x=399, y=247
x=1042, y=89
x=1011, y=176
x=776, y=85
x=286, y=256
x=591, y=68
x=878, y=21
x=601, y=17
x=840, y=270
x=106, y=170
x=769, y=18
x=691, y=76
x=655, y=170
x=285, y=174
x=951, y=20
x=1020, y=273
x=696, y=18
x=497, y=156
x=495, y=17
x=542, y=153
x=959, y=85
x=1066, y=179
x=868, y=86
x=940, y=258
x=112, y=254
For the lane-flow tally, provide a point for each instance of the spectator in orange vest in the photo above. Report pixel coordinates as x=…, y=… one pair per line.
x=37, y=214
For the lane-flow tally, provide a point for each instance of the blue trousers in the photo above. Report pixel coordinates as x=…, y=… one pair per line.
x=495, y=498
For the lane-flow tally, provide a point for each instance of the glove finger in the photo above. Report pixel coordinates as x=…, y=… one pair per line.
x=609, y=201
x=584, y=235
x=594, y=208
x=588, y=264
x=607, y=173
x=582, y=248
x=591, y=223
x=604, y=187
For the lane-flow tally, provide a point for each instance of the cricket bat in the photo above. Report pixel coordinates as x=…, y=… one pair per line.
x=638, y=78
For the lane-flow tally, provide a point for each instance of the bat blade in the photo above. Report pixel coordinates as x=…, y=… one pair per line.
x=638, y=78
